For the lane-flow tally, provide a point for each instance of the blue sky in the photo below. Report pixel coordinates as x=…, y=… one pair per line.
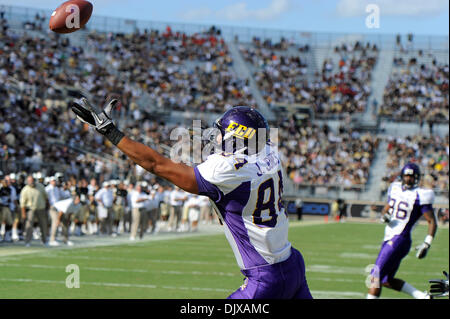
x=428, y=17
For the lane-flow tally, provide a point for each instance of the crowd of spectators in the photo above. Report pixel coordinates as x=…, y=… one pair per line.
x=34, y=71
x=337, y=89
x=417, y=92
x=59, y=207
x=430, y=152
x=282, y=45
x=179, y=72
x=3, y=21
x=317, y=155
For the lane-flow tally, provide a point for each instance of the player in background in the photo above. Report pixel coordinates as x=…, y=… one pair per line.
x=65, y=209
x=191, y=213
x=407, y=202
x=245, y=185
x=14, y=206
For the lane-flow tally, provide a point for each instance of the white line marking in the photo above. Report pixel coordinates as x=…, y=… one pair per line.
x=320, y=294
x=144, y=260
x=315, y=293
x=113, y=284
x=335, y=270
x=314, y=268
x=92, y=241
x=166, y=272
x=357, y=255
x=353, y=280
x=63, y=267
x=371, y=247
x=199, y=273
x=328, y=269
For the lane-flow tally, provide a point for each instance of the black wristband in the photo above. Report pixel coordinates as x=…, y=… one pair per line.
x=113, y=134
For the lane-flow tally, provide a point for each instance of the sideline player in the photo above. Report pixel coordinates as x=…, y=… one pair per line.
x=65, y=209
x=407, y=202
x=245, y=185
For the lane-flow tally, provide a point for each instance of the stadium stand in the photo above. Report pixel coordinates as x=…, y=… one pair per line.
x=430, y=152
x=341, y=87
x=343, y=131
x=417, y=91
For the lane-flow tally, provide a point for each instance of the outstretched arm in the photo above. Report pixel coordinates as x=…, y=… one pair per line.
x=432, y=227
x=177, y=173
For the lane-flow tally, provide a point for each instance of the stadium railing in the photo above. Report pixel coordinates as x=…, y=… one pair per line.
x=19, y=15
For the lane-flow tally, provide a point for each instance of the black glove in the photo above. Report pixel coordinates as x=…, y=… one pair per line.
x=439, y=287
x=100, y=120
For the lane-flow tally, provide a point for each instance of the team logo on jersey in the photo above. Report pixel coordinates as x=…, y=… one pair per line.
x=240, y=131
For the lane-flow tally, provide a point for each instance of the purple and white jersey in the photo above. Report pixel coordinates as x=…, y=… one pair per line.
x=407, y=206
x=246, y=193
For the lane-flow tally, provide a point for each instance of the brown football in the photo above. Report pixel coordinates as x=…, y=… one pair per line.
x=70, y=16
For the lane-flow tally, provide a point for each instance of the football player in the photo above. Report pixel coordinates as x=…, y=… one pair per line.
x=245, y=185
x=407, y=202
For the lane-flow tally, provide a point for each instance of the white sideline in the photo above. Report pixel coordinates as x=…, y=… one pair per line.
x=92, y=241
x=146, y=260
x=313, y=268
x=111, y=284
x=166, y=272
x=315, y=293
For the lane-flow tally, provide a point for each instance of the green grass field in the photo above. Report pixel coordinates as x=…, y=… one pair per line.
x=336, y=255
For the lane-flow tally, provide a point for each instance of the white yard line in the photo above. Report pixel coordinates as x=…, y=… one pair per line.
x=356, y=255
x=357, y=270
x=113, y=284
x=68, y=255
x=82, y=268
x=8, y=265
x=92, y=241
x=316, y=268
x=319, y=294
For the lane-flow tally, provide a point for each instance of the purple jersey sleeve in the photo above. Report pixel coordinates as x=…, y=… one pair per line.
x=206, y=188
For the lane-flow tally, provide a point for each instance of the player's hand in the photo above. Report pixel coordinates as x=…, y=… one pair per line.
x=422, y=250
x=386, y=218
x=88, y=114
x=439, y=287
x=101, y=120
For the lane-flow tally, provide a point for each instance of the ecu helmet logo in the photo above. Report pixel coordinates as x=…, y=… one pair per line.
x=240, y=131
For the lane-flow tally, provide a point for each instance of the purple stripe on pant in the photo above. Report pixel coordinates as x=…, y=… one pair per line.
x=391, y=254
x=284, y=280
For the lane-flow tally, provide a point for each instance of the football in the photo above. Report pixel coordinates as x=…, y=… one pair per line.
x=70, y=16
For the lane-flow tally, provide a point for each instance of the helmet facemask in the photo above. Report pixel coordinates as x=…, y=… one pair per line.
x=414, y=181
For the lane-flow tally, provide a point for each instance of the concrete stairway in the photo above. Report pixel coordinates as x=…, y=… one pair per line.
x=373, y=189
x=380, y=77
x=243, y=72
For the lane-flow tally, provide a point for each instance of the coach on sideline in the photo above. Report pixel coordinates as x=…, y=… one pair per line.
x=34, y=202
